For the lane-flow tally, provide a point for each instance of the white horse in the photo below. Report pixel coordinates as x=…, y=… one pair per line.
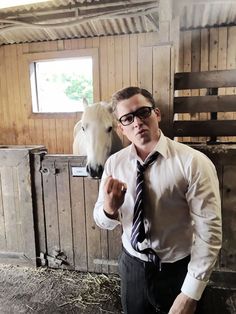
x=95, y=136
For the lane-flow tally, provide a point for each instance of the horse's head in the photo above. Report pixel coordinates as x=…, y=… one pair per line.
x=95, y=137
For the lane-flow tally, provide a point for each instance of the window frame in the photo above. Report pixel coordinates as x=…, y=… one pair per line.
x=32, y=58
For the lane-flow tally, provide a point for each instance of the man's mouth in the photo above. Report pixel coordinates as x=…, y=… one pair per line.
x=141, y=131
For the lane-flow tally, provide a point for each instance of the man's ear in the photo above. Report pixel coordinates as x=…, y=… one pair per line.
x=120, y=127
x=158, y=114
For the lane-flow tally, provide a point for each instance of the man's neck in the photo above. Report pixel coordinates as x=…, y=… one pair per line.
x=144, y=150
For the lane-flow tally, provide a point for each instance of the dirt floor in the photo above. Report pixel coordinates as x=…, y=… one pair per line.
x=41, y=290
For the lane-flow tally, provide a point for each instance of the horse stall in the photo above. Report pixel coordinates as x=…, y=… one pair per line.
x=220, y=294
x=184, y=52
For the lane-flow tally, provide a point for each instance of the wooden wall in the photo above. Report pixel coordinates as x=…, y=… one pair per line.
x=208, y=50
x=123, y=60
x=118, y=67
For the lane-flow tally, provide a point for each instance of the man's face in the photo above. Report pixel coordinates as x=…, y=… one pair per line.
x=142, y=130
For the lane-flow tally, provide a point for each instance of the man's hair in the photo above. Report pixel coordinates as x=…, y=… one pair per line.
x=128, y=92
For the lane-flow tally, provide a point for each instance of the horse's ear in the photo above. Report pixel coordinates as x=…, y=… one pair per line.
x=108, y=106
x=85, y=103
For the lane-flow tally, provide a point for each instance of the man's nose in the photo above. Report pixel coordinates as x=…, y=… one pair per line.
x=137, y=120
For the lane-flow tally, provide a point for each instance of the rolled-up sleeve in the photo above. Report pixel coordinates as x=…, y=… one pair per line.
x=205, y=209
x=99, y=215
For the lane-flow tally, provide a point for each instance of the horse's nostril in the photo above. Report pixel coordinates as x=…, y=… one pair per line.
x=100, y=171
x=95, y=173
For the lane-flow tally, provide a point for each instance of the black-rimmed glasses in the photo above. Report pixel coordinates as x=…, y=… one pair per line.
x=142, y=113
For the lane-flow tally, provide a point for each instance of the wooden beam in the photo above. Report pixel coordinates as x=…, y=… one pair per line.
x=205, y=104
x=207, y=79
x=205, y=128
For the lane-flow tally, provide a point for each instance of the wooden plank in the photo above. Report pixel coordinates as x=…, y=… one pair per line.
x=211, y=79
x=114, y=247
x=205, y=104
x=72, y=123
x=105, y=253
x=3, y=242
x=205, y=128
x=26, y=210
x=231, y=61
x=228, y=252
x=96, y=76
x=125, y=61
x=145, y=68
x=118, y=63
x=50, y=204
x=213, y=63
x=81, y=42
x=162, y=83
x=10, y=114
x=180, y=69
x=64, y=212
x=8, y=159
x=17, y=207
x=111, y=65
x=187, y=67
x=133, y=60
x=103, y=73
x=204, y=62
x=214, y=40
x=222, y=61
x=8, y=197
x=38, y=131
x=15, y=93
x=59, y=136
x=78, y=221
x=38, y=204
x=22, y=111
x=175, y=37
x=204, y=66
x=93, y=232
x=19, y=216
x=195, y=64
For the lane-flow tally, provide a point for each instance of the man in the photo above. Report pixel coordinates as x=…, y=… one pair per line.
x=166, y=197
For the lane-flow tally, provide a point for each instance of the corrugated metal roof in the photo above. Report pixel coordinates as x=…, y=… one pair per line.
x=60, y=19
x=208, y=13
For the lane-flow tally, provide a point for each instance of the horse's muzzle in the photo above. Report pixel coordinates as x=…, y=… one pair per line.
x=95, y=173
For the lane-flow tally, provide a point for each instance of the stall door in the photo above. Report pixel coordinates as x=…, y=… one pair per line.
x=17, y=239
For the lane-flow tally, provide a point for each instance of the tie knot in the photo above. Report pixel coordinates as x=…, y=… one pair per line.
x=148, y=162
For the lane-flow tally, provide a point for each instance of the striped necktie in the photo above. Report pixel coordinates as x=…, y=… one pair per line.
x=138, y=236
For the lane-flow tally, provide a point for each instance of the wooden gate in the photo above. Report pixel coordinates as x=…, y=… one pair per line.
x=68, y=236
x=17, y=245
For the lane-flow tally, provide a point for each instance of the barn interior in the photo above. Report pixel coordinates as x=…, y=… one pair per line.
x=183, y=51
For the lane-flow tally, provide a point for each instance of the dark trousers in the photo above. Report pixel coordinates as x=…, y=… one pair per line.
x=147, y=290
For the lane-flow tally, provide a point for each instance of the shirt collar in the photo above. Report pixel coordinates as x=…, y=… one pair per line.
x=161, y=148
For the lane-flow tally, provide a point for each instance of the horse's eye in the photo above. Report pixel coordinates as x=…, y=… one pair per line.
x=83, y=128
x=109, y=129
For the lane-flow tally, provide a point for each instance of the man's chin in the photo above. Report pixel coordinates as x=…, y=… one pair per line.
x=142, y=138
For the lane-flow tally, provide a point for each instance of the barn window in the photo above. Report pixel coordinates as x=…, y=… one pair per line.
x=60, y=80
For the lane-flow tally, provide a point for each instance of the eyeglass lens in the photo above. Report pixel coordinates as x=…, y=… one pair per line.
x=142, y=113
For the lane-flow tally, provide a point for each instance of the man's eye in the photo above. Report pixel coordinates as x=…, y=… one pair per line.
x=128, y=118
x=144, y=112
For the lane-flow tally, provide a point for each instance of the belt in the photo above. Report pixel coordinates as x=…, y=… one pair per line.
x=163, y=266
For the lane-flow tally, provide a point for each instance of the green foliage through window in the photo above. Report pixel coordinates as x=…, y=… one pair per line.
x=62, y=84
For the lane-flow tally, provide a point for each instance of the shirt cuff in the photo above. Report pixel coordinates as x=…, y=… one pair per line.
x=193, y=287
x=107, y=222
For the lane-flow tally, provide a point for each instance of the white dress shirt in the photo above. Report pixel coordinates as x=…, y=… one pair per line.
x=182, y=208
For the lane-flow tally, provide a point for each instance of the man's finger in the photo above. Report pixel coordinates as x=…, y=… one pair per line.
x=124, y=188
